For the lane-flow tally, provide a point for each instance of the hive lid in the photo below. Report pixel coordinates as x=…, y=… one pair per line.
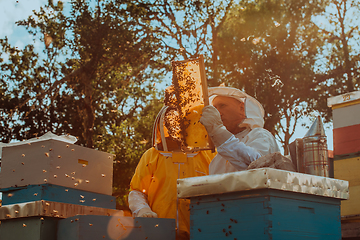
x=263, y=178
x=47, y=136
x=52, y=209
x=343, y=99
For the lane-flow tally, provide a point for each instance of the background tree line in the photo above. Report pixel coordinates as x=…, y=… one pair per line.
x=98, y=74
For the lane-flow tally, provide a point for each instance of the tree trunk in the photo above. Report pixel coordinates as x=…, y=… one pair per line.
x=349, y=83
x=345, y=48
x=215, y=52
x=90, y=115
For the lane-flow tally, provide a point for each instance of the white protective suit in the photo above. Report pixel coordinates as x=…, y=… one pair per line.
x=236, y=153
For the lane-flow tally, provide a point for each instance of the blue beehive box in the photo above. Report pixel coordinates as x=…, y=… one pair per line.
x=85, y=227
x=265, y=214
x=30, y=228
x=50, y=192
x=264, y=204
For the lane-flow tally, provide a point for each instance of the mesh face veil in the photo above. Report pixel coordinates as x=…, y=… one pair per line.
x=254, y=112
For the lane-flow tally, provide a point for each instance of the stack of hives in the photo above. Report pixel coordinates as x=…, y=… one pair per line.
x=46, y=179
x=53, y=189
x=264, y=203
x=346, y=134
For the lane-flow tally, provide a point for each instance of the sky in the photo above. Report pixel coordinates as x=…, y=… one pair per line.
x=15, y=10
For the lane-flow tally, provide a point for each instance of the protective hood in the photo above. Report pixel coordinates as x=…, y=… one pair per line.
x=159, y=133
x=167, y=135
x=253, y=109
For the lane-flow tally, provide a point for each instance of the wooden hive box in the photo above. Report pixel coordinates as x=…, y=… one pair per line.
x=85, y=227
x=346, y=123
x=54, y=193
x=43, y=208
x=59, y=163
x=31, y=228
x=264, y=204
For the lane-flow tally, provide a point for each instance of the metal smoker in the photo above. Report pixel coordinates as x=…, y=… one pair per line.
x=315, y=160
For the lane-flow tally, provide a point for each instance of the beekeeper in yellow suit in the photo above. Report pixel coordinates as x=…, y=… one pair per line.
x=154, y=184
x=235, y=122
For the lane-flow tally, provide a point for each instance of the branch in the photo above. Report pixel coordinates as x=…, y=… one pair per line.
x=59, y=82
x=319, y=78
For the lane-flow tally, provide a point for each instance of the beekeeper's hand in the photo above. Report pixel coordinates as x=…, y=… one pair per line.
x=146, y=212
x=211, y=119
x=139, y=206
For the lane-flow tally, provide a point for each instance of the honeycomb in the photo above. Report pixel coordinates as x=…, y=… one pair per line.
x=185, y=100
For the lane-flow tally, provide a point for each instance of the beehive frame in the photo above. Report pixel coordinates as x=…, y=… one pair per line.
x=189, y=90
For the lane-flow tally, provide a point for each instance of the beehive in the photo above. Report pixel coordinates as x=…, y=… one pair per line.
x=346, y=124
x=85, y=227
x=346, y=134
x=31, y=228
x=59, y=163
x=264, y=204
x=54, y=193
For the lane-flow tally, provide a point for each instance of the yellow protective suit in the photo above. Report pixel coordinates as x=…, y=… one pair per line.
x=156, y=176
x=157, y=171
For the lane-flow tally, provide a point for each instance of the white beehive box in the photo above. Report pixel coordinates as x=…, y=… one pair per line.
x=59, y=163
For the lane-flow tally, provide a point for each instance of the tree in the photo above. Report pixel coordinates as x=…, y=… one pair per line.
x=188, y=28
x=268, y=49
x=133, y=138
x=93, y=79
x=338, y=68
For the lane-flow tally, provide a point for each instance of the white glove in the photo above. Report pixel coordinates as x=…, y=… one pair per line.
x=139, y=206
x=211, y=119
x=146, y=212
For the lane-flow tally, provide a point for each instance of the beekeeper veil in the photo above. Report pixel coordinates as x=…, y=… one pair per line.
x=254, y=112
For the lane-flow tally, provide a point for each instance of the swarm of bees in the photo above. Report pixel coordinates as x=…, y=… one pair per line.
x=185, y=101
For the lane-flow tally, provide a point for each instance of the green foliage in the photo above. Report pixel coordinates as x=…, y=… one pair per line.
x=188, y=28
x=94, y=79
x=338, y=66
x=268, y=49
x=94, y=76
x=132, y=139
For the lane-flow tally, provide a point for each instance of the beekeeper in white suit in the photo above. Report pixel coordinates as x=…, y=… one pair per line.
x=235, y=122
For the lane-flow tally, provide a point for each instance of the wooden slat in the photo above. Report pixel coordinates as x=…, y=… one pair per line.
x=346, y=116
x=351, y=206
x=348, y=169
x=350, y=229
x=346, y=140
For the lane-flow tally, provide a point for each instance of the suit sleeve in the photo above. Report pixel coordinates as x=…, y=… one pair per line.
x=258, y=142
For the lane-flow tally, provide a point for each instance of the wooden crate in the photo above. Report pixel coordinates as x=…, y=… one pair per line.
x=265, y=214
